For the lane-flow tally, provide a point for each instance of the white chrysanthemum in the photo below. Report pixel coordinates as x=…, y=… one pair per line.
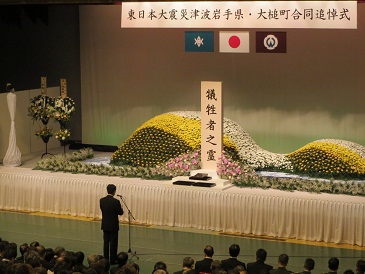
x=248, y=150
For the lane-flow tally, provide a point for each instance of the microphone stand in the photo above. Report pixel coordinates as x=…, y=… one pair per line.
x=134, y=254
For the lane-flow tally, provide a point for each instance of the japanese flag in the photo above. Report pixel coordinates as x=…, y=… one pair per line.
x=234, y=41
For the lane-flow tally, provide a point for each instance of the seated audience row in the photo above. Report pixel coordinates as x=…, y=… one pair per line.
x=36, y=259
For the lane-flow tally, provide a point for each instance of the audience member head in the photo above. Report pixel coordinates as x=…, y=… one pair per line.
x=209, y=251
x=135, y=265
x=234, y=250
x=3, y=245
x=13, y=246
x=283, y=260
x=23, y=248
x=34, y=244
x=159, y=265
x=219, y=271
x=309, y=264
x=80, y=256
x=19, y=268
x=61, y=265
x=10, y=253
x=126, y=269
x=64, y=271
x=122, y=258
x=111, y=189
x=360, y=266
x=32, y=257
x=98, y=266
x=261, y=255
x=4, y=264
x=41, y=250
x=159, y=271
x=239, y=269
x=106, y=264
x=188, y=262
x=39, y=270
x=58, y=251
x=189, y=271
x=92, y=258
x=215, y=266
x=89, y=270
x=333, y=264
x=349, y=271
x=49, y=254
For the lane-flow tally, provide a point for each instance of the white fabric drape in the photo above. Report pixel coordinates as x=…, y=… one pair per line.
x=298, y=215
x=13, y=155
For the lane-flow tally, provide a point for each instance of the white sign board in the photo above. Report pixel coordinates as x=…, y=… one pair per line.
x=211, y=124
x=237, y=14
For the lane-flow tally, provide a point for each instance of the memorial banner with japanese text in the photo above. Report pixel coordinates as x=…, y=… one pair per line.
x=237, y=14
x=211, y=124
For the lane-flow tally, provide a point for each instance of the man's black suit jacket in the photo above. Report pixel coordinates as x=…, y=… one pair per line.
x=110, y=209
x=231, y=263
x=204, y=265
x=258, y=267
x=280, y=270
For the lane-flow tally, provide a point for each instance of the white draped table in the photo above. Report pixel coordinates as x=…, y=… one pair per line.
x=299, y=215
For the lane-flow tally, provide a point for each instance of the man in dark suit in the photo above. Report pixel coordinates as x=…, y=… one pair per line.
x=110, y=210
x=333, y=265
x=308, y=266
x=259, y=267
x=188, y=266
x=229, y=264
x=282, y=263
x=360, y=267
x=205, y=264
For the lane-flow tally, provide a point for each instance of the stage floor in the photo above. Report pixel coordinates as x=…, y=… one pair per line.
x=159, y=243
x=247, y=211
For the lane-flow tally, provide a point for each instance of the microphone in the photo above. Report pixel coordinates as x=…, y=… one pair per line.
x=120, y=196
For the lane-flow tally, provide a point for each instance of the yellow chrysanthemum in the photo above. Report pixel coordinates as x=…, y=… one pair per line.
x=328, y=159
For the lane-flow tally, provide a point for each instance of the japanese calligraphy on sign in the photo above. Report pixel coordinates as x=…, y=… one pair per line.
x=211, y=124
x=63, y=88
x=237, y=14
x=44, y=85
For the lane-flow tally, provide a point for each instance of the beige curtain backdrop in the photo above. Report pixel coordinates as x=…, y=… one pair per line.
x=284, y=101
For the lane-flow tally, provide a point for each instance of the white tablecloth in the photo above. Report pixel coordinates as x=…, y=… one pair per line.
x=300, y=215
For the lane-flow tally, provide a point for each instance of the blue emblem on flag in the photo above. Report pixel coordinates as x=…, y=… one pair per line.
x=199, y=41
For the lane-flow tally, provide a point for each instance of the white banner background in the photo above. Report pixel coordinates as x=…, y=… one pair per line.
x=260, y=14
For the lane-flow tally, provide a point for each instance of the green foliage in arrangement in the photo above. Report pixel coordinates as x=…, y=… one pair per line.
x=323, y=159
x=163, y=137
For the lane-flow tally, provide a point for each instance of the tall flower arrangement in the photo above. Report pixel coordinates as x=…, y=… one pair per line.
x=40, y=109
x=62, y=111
